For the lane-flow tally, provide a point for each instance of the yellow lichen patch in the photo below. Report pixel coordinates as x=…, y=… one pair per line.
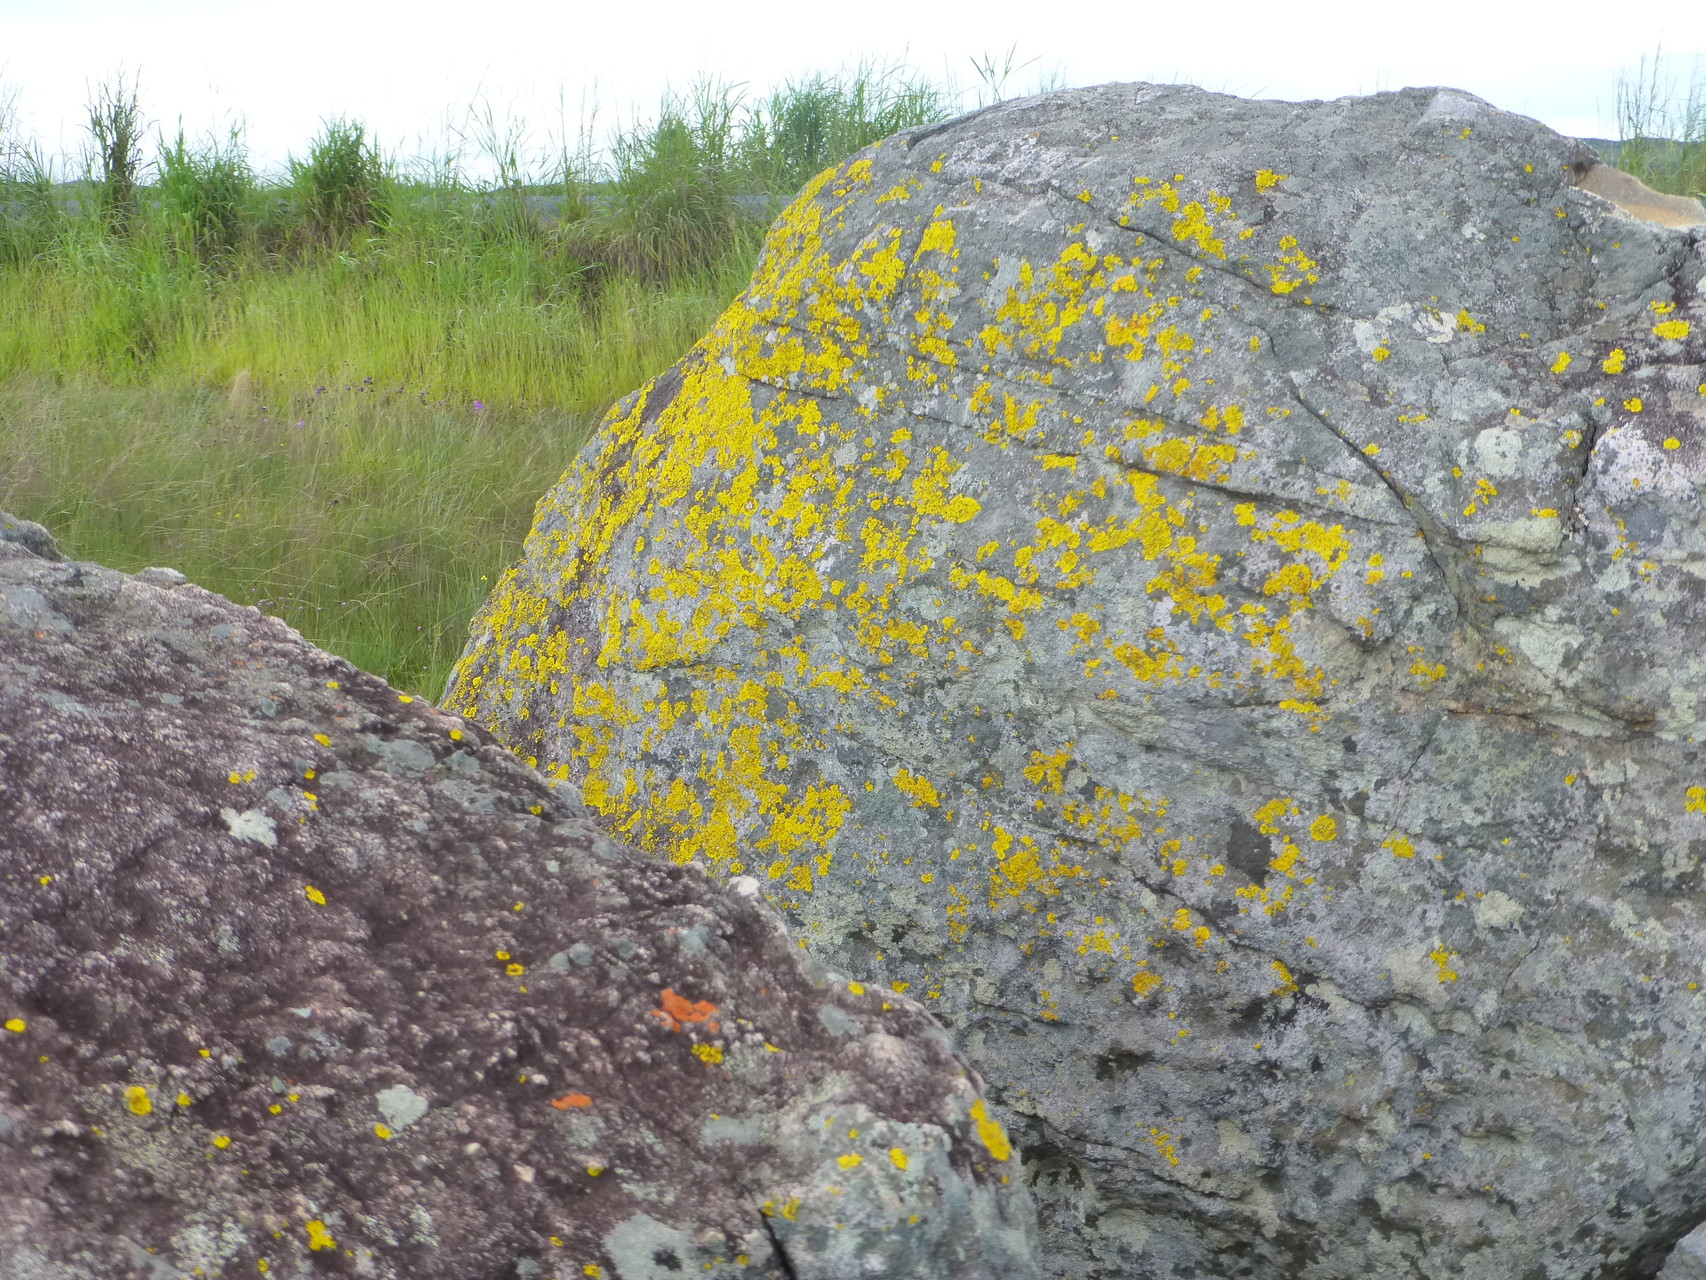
x=318, y=1236
x=1400, y=846
x=1671, y=330
x=1442, y=958
x=1615, y=362
x=1268, y=816
x=1693, y=802
x=1041, y=308
x=1163, y=1142
x=807, y=823
x=1292, y=268
x=938, y=238
x=1048, y=771
x=918, y=789
x=1193, y=228
x=989, y=1132
x=930, y=495
x=1266, y=178
x=137, y=1100
x=1192, y=458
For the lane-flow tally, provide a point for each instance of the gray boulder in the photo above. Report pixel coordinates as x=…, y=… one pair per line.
x=1209, y=594
x=29, y=535
x=1688, y=1260
x=302, y=977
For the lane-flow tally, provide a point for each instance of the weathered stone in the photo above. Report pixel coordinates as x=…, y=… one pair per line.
x=1209, y=593
x=29, y=535
x=300, y=976
x=1688, y=1260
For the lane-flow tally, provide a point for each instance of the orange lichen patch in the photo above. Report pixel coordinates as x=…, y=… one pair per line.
x=678, y=1010
x=571, y=1100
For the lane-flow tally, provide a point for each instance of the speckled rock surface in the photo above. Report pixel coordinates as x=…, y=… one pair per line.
x=1207, y=593
x=300, y=977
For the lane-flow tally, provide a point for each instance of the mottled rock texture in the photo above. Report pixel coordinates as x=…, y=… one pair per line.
x=1209, y=594
x=299, y=976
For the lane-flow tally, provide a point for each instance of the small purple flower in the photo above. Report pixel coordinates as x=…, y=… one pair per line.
x=479, y=406
x=301, y=424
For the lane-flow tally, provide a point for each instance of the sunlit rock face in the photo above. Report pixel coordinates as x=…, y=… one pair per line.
x=300, y=977
x=1208, y=594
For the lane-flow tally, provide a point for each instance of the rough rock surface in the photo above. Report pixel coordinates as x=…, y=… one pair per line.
x=1208, y=593
x=1688, y=1260
x=299, y=976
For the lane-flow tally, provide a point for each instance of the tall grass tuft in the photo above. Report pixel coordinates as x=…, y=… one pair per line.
x=669, y=207
x=26, y=189
x=809, y=124
x=1661, y=131
x=115, y=124
x=341, y=187
x=204, y=195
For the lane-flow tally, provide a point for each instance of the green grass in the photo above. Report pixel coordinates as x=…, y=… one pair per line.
x=373, y=527
x=1661, y=128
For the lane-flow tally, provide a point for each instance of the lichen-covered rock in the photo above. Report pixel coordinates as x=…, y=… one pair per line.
x=1208, y=593
x=299, y=976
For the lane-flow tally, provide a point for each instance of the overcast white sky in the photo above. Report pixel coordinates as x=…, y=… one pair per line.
x=405, y=67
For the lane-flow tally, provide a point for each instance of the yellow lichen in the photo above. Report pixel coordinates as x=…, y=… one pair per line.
x=989, y=1132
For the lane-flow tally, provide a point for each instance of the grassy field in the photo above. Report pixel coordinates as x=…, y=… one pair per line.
x=338, y=394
